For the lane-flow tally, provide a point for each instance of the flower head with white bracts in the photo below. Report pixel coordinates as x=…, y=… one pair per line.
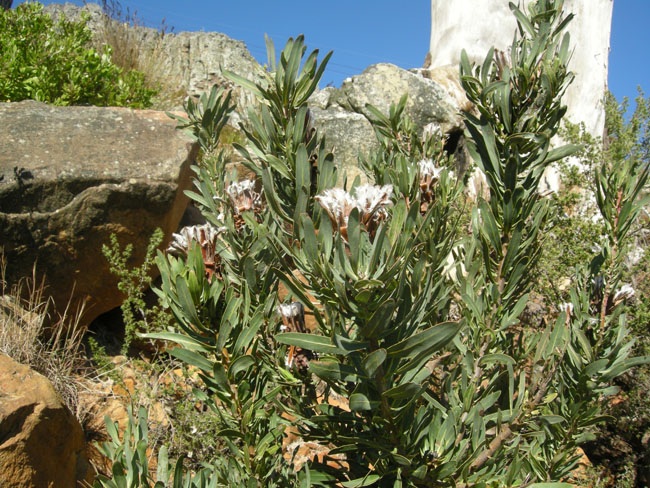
x=207, y=236
x=429, y=177
x=625, y=292
x=370, y=200
x=244, y=197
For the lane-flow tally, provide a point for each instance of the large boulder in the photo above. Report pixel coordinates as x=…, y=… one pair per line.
x=342, y=117
x=383, y=84
x=41, y=442
x=70, y=177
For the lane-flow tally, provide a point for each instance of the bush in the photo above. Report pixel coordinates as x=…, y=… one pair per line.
x=416, y=369
x=55, y=63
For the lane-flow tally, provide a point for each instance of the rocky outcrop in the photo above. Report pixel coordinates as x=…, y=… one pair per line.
x=41, y=443
x=383, y=84
x=192, y=62
x=341, y=114
x=70, y=177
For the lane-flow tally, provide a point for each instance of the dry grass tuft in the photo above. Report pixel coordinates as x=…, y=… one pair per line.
x=51, y=347
x=134, y=48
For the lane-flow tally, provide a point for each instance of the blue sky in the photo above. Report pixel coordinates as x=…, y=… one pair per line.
x=365, y=32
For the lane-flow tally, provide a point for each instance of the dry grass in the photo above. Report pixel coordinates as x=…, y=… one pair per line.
x=140, y=50
x=51, y=347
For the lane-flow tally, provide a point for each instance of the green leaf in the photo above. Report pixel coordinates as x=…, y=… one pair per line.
x=429, y=340
x=332, y=370
x=248, y=334
x=551, y=485
x=309, y=238
x=373, y=360
x=360, y=402
x=379, y=320
x=193, y=358
x=181, y=339
x=496, y=358
x=249, y=85
x=406, y=390
x=311, y=342
x=240, y=364
x=359, y=482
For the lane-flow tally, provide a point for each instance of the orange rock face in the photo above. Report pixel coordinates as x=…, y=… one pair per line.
x=41, y=443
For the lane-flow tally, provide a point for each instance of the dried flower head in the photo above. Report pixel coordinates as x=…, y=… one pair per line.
x=370, y=200
x=207, y=236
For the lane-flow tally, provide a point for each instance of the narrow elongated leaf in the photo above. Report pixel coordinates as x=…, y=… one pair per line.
x=428, y=340
x=311, y=342
x=373, y=360
x=360, y=402
x=240, y=364
x=192, y=358
x=180, y=339
x=406, y=390
x=359, y=482
x=332, y=370
x=379, y=320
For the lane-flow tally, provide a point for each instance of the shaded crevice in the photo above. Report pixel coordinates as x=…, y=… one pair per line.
x=12, y=425
x=46, y=196
x=455, y=147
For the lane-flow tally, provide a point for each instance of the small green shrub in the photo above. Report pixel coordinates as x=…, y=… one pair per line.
x=54, y=62
x=137, y=316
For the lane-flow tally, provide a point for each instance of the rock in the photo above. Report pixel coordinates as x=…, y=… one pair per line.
x=75, y=175
x=41, y=442
x=341, y=114
x=190, y=62
x=346, y=134
x=383, y=84
x=448, y=77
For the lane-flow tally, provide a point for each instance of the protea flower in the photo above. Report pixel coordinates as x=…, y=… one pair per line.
x=244, y=197
x=429, y=177
x=371, y=201
x=206, y=235
x=625, y=292
x=293, y=320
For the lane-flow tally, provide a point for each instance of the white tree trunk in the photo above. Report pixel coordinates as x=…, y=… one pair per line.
x=476, y=25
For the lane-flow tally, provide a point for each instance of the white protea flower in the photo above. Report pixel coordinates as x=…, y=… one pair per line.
x=293, y=320
x=567, y=307
x=625, y=292
x=338, y=204
x=429, y=177
x=244, y=197
x=428, y=169
x=370, y=200
x=293, y=317
x=207, y=236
